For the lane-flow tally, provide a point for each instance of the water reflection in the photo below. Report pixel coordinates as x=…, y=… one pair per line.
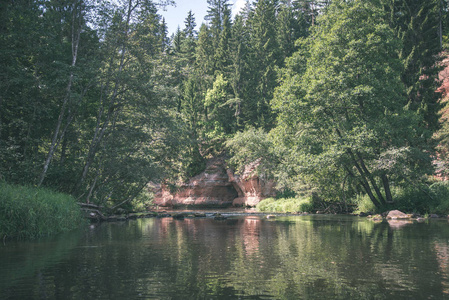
x=307, y=257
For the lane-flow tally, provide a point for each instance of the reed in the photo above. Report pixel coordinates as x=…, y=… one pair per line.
x=27, y=212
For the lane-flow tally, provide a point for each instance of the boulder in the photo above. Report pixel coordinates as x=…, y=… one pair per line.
x=396, y=215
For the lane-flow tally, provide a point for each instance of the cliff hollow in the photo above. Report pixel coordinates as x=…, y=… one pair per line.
x=217, y=186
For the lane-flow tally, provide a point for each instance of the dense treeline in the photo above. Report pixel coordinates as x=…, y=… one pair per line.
x=338, y=97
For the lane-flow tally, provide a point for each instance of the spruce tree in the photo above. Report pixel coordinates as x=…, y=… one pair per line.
x=222, y=53
x=416, y=23
x=219, y=15
x=190, y=24
x=189, y=43
x=239, y=71
x=285, y=31
x=177, y=40
x=264, y=60
x=165, y=41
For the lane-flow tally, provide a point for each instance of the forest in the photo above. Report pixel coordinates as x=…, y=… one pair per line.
x=340, y=100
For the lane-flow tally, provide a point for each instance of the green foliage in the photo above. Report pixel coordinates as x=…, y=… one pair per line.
x=440, y=194
x=285, y=205
x=27, y=212
x=252, y=145
x=413, y=198
x=364, y=204
x=412, y=21
x=134, y=106
x=421, y=199
x=142, y=201
x=342, y=116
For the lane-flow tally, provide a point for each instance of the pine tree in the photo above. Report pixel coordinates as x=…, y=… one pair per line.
x=217, y=9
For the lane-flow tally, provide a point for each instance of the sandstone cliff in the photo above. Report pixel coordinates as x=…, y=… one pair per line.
x=251, y=188
x=217, y=186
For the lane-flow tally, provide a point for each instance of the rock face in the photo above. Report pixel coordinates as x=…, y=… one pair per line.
x=210, y=188
x=251, y=189
x=217, y=186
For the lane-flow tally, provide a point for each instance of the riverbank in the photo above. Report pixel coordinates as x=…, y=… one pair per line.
x=28, y=212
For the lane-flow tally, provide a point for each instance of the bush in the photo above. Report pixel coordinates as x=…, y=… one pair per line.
x=27, y=212
x=440, y=193
x=265, y=204
x=420, y=199
x=364, y=204
x=285, y=205
x=416, y=199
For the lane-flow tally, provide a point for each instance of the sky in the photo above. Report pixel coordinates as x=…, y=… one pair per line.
x=175, y=16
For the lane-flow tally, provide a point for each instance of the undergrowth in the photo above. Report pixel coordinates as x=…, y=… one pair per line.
x=422, y=199
x=27, y=212
x=291, y=205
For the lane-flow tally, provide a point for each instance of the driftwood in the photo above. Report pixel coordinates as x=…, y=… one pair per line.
x=90, y=205
x=92, y=211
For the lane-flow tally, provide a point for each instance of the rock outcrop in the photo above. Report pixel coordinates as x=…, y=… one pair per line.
x=251, y=188
x=217, y=186
x=210, y=188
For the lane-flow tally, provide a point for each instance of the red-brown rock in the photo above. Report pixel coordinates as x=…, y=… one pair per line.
x=250, y=187
x=217, y=186
x=210, y=188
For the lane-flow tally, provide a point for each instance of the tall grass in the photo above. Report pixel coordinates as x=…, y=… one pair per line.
x=27, y=212
x=285, y=205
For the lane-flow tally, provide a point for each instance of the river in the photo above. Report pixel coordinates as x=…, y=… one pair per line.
x=242, y=257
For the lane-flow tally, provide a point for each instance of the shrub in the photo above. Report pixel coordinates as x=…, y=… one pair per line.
x=27, y=212
x=440, y=193
x=265, y=204
x=417, y=199
x=364, y=204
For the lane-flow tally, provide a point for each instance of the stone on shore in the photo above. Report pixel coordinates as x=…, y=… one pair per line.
x=397, y=215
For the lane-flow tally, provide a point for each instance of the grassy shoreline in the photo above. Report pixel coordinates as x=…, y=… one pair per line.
x=28, y=212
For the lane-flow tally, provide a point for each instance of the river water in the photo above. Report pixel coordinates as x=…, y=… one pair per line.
x=243, y=257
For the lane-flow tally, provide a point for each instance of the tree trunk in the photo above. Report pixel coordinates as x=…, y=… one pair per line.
x=76, y=15
x=112, y=111
x=371, y=178
x=387, y=190
x=363, y=180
